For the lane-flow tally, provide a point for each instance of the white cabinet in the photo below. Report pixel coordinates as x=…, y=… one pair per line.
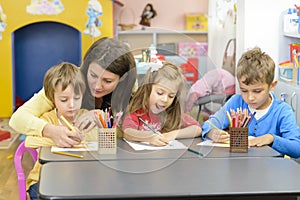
x=288, y=91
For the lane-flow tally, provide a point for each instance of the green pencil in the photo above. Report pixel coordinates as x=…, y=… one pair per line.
x=195, y=152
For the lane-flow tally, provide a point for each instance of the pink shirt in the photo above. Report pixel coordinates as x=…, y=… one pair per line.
x=132, y=121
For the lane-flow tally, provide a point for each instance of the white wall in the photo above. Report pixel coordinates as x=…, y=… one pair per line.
x=259, y=24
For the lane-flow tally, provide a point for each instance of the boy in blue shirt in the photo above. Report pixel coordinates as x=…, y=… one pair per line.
x=274, y=123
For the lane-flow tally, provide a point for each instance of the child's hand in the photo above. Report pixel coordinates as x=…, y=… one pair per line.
x=158, y=140
x=170, y=136
x=218, y=135
x=261, y=140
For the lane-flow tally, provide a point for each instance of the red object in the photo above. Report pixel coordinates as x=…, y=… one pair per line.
x=118, y=2
x=160, y=57
x=4, y=135
x=190, y=70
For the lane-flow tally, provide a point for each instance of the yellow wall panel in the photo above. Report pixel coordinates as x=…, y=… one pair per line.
x=74, y=15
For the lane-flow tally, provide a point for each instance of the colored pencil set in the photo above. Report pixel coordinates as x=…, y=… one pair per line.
x=239, y=118
x=106, y=119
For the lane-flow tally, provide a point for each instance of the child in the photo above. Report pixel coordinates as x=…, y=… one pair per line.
x=64, y=86
x=274, y=123
x=158, y=102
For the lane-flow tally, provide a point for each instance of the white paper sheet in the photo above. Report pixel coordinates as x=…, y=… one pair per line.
x=217, y=144
x=91, y=146
x=138, y=146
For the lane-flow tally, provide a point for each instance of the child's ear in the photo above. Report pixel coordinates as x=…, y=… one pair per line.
x=273, y=85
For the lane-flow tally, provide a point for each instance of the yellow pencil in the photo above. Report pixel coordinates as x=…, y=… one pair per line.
x=68, y=154
x=67, y=123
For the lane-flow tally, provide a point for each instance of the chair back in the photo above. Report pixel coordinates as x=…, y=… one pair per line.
x=19, y=168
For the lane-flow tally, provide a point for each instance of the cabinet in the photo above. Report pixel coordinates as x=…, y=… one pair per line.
x=290, y=94
x=288, y=91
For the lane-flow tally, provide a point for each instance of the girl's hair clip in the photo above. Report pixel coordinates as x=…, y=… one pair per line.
x=155, y=66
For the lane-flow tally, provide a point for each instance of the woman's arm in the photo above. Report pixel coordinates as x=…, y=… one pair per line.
x=26, y=118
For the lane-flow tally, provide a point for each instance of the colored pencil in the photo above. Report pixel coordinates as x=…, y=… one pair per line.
x=68, y=154
x=146, y=124
x=67, y=123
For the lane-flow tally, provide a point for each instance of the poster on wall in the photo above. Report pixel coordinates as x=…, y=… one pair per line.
x=94, y=10
x=45, y=7
x=2, y=22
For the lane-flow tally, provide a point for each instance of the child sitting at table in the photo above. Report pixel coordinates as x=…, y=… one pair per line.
x=274, y=123
x=64, y=86
x=155, y=113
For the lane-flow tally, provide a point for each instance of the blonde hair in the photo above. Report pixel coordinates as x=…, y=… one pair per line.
x=65, y=74
x=256, y=67
x=140, y=100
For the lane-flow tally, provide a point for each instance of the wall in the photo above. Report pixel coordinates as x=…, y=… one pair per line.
x=170, y=13
x=259, y=23
x=221, y=28
x=74, y=15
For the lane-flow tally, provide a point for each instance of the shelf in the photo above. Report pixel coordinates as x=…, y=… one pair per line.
x=139, y=39
x=294, y=35
x=159, y=31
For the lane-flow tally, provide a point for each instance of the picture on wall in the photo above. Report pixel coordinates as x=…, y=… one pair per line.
x=94, y=10
x=2, y=22
x=45, y=7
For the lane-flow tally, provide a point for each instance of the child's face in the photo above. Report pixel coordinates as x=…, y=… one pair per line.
x=256, y=95
x=67, y=102
x=101, y=82
x=162, y=96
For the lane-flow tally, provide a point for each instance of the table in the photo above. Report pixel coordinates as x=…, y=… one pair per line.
x=125, y=152
x=185, y=178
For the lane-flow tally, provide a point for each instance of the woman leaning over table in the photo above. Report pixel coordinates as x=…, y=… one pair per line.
x=109, y=71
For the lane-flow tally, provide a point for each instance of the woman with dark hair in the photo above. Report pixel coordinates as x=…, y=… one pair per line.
x=109, y=72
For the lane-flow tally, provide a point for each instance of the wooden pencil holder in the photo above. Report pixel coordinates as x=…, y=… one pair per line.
x=238, y=140
x=107, y=141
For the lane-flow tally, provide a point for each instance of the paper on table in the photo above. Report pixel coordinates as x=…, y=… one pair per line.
x=217, y=144
x=91, y=146
x=138, y=146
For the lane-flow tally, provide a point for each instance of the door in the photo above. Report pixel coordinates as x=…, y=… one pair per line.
x=37, y=47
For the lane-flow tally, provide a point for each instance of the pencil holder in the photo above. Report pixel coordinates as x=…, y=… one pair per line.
x=107, y=141
x=238, y=140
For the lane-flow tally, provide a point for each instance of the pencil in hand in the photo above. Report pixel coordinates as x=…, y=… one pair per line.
x=146, y=124
x=67, y=123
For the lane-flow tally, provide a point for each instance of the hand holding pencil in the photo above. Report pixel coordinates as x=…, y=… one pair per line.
x=216, y=134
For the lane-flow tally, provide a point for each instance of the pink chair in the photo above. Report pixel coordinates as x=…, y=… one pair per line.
x=19, y=168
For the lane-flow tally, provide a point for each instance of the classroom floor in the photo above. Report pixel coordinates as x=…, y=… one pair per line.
x=8, y=180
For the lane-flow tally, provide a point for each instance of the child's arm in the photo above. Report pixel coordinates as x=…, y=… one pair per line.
x=132, y=134
x=187, y=132
x=190, y=129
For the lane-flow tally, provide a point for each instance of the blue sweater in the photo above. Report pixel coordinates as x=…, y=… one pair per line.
x=279, y=121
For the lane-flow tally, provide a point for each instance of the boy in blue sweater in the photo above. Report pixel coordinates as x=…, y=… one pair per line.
x=274, y=123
